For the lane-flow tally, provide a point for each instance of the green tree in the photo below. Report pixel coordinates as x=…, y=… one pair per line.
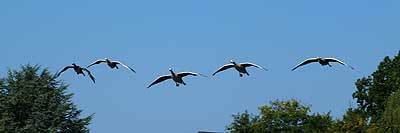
x=243, y=123
x=390, y=119
x=36, y=102
x=352, y=122
x=373, y=91
x=281, y=116
x=319, y=123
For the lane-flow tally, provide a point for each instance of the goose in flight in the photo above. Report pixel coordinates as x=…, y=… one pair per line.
x=111, y=64
x=176, y=77
x=240, y=67
x=78, y=70
x=322, y=61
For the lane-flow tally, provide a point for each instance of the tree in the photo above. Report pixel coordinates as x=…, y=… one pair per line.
x=353, y=122
x=319, y=123
x=281, y=116
x=243, y=123
x=390, y=119
x=36, y=102
x=373, y=91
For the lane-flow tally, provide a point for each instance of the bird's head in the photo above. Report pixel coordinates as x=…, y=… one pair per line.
x=73, y=64
x=169, y=69
x=233, y=62
x=106, y=59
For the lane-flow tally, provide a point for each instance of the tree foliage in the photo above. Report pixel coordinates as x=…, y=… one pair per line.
x=243, y=123
x=281, y=116
x=352, y=121
x=390, y=118
x=373, y=91
x=33, y=101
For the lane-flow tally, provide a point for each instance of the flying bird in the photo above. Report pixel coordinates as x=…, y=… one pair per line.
x=322, y=61
x=240, y=67
x=111, y=64
x=78, y=70
x=176, y=77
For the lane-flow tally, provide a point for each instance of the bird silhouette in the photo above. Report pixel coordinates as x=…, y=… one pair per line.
x=176, y=77
x=322, y=61
x=78, y=70
x=111, y=64
x=240, y=67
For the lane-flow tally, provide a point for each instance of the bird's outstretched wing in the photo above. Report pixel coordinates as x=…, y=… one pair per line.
x=223, y=68
x=125, y=66
x=183, y=74
x=248, y=64
x=338, y=61
x=64, y=69
x=307, y=61
x=97, y=62
x=90, y=75
x=160, y=79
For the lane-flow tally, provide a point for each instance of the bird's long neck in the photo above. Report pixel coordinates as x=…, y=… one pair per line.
x=234, y=63
x=108, y=61
x=172, y=72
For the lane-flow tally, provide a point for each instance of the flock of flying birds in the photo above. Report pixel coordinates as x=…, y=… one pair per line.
x=177, y=77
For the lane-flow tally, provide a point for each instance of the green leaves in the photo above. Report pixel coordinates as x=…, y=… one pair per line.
x=281, y=116
x=353, y=121
x=374, y=90
x=284, y=115
x=33, y=101
x=243, y=123
x=390, y=119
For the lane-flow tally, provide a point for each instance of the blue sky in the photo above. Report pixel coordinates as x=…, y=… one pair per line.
x=199, y=36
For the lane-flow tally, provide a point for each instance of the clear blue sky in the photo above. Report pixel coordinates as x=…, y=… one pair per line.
x=200, y=36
